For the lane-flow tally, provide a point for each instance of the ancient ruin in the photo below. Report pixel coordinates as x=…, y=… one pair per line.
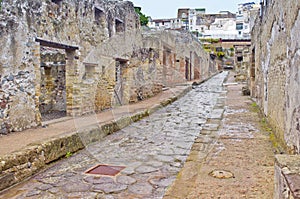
x=275, y=83
x=73, y=58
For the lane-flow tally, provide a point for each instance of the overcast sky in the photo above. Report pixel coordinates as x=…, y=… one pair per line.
x=158, y=9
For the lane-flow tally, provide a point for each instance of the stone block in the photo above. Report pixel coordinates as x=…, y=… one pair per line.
x=287, y=177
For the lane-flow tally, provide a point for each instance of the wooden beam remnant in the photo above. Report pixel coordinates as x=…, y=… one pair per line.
x=56, y=45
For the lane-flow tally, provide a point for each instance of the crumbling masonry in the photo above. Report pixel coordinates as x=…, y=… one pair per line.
x=275, y=83
x=80, y=57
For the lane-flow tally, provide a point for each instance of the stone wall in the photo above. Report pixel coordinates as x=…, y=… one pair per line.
x=181, y=57
x=275, y=81
x=53, y=81
x=74, y=27
x=275, y=84
x=82, y=57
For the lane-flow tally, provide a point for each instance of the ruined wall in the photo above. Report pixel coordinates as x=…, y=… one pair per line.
x=180, y=56
x=85, y=24
x=277, y=59
x=82, y=57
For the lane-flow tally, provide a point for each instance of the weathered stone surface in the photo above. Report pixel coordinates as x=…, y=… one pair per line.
x=127, y=180
x=115, y=63
x=287, y=175
x=275, y=79
x=33, y=193
x=109, y=188
x=76, y=187
x=6, y=180
x=141, y=189
x=161, y=182
x=170, y=131
x=145, y=169
x=45, y=187
x=98, y=180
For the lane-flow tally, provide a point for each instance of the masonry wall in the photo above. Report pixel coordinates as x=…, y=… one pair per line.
x=81, y=57
x=275, y=81
x=181, y=59
x=84, y=24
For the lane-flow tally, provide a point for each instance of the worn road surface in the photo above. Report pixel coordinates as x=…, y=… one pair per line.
x=177, y=152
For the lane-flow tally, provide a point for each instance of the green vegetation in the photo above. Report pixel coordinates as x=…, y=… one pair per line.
x=210, y=48
x=210, y=40
x=273, y=140
x=220, y=54
x=265, y=126
x=254, y=105
x=143, y=18
x=69, y=154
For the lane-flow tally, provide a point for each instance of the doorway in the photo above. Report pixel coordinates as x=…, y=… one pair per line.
x=119, y=88
x=53, y=84
x=56, y=63
x=187, y=72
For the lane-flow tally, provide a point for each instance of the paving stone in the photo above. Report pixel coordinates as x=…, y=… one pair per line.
x=167, y=152
x=141, y=189
x=128, y=171
x=109, y=188
x=155, y=163
x=44, y=187
x=50, y=180
x=76, y=187
x=164, y=158
x=82, y=195
x=211, y=127
x=54, y=190
x=146, y=169
x=98, y=180
x=33, y=193
x=162, y=182
x=127, y=180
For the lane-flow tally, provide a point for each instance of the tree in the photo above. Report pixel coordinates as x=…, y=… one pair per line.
x=143, y=19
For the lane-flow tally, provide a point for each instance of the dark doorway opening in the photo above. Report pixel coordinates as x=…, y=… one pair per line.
x=187, y=66
x=53, y=84
x=120, y=65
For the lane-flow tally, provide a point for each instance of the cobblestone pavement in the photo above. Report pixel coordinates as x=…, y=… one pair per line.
x=240, y=162
x=152, y=151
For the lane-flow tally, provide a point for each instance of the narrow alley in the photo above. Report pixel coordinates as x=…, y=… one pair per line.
x=181, y=151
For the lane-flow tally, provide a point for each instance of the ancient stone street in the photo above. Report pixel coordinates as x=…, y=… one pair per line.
x=189, y=149
x=152, y=151
x=119, y=99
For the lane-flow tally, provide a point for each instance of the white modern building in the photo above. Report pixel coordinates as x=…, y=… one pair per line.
x=224, y=28
x=223, y=25
x=162, y=24
x=245, y=17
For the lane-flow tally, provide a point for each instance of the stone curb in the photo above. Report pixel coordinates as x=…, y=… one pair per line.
x=19, y=165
